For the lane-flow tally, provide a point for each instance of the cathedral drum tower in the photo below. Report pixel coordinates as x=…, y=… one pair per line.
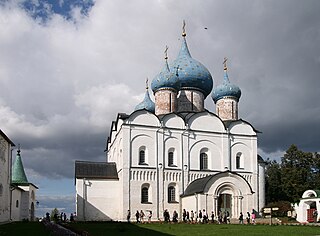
x=226, y=97
x=195, y=79
x=165, y=87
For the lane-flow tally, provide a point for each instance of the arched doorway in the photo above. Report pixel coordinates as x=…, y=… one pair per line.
x=32, y=212
x=310, y=212
x=225, y=203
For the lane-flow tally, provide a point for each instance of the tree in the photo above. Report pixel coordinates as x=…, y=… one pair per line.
x=54, y=214
x=316, y=170
x=296, y=173
x=274, y=191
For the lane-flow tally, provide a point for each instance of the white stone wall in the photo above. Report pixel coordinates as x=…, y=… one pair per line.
x=15, y=210
x=262, y=187
x=5, y=158
x=98, y=199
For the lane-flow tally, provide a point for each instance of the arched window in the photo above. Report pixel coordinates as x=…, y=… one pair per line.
x=142, y=157
x=171, y=194
x=238, y=160
x=170, y=158
x=17, y=204
x=145, y=193
x=203, y=161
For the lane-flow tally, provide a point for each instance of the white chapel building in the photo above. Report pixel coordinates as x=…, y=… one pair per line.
x=17, y=194
x=173, y=154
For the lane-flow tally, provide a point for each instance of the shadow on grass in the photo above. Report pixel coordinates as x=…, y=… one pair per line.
x=23, y=228
x=111, y=228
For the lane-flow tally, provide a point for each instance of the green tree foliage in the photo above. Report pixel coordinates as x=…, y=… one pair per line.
x=54, y=212
x=274, y=191
x=284, y=207
x=297, y=172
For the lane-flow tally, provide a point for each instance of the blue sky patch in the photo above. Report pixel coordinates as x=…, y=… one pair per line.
x=43, y=9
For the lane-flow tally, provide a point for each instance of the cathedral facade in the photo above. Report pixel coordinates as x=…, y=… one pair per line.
x=173, y=154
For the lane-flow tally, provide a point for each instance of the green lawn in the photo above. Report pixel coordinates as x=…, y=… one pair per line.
x=114, y=229
x=23, y=228
x=107, y=228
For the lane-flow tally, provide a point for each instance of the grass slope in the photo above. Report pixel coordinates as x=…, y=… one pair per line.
x=107, y=228
x=23, y=228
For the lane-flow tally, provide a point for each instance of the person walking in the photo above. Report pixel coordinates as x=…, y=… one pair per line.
x=149, y=216
x=212, y=217
x=248, y=217
x=137, y=216
x=253, y=217
x=241, y=218
x=315, y=216
x=142, y=216
x=192, y=216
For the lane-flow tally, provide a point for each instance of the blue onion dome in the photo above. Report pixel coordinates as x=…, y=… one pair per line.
x=147, y=103
x=226, y=89
x=192, y=74
x=166, y=79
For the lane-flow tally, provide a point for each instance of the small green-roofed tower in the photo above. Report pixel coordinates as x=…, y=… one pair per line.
x=18, y=174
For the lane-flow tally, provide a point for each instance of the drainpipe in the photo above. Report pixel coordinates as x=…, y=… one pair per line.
x=229, y=150
x=10, y=180
x=157, y=169
x=129, y=167
x=84, y=199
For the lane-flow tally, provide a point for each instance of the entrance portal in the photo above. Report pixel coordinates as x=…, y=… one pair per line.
x=224, y=203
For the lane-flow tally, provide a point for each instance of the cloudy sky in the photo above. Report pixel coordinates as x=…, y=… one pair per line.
x=68, y=67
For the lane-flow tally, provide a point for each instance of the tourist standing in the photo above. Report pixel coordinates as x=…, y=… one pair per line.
x=220, y=217
x=248, y=217
x=142, y=216
x=200, y=216
x=253, y=217
x=192, y=216
x=184, y=215
x=137, y=216
x=315, y=216
x=212, y=217
x=241, y=218
x=175, y=217
x=150, y=216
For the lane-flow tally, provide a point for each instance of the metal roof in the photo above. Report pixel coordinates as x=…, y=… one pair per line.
x=95, y=170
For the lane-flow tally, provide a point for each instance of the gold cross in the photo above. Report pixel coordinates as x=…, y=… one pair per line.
x=166, y=53
x=184, y=28
x=225, y=63
x=147, y=80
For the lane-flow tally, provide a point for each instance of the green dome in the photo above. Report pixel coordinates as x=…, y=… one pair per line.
x=18, y=174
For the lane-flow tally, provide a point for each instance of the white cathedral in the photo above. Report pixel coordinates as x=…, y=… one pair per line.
x=174, y=154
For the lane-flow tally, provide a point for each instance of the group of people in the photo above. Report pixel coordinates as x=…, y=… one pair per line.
x=249, y=218
x=189, y=217
x=223, y=217
x=61, y=218
x=140, y=216
x=166, y=216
